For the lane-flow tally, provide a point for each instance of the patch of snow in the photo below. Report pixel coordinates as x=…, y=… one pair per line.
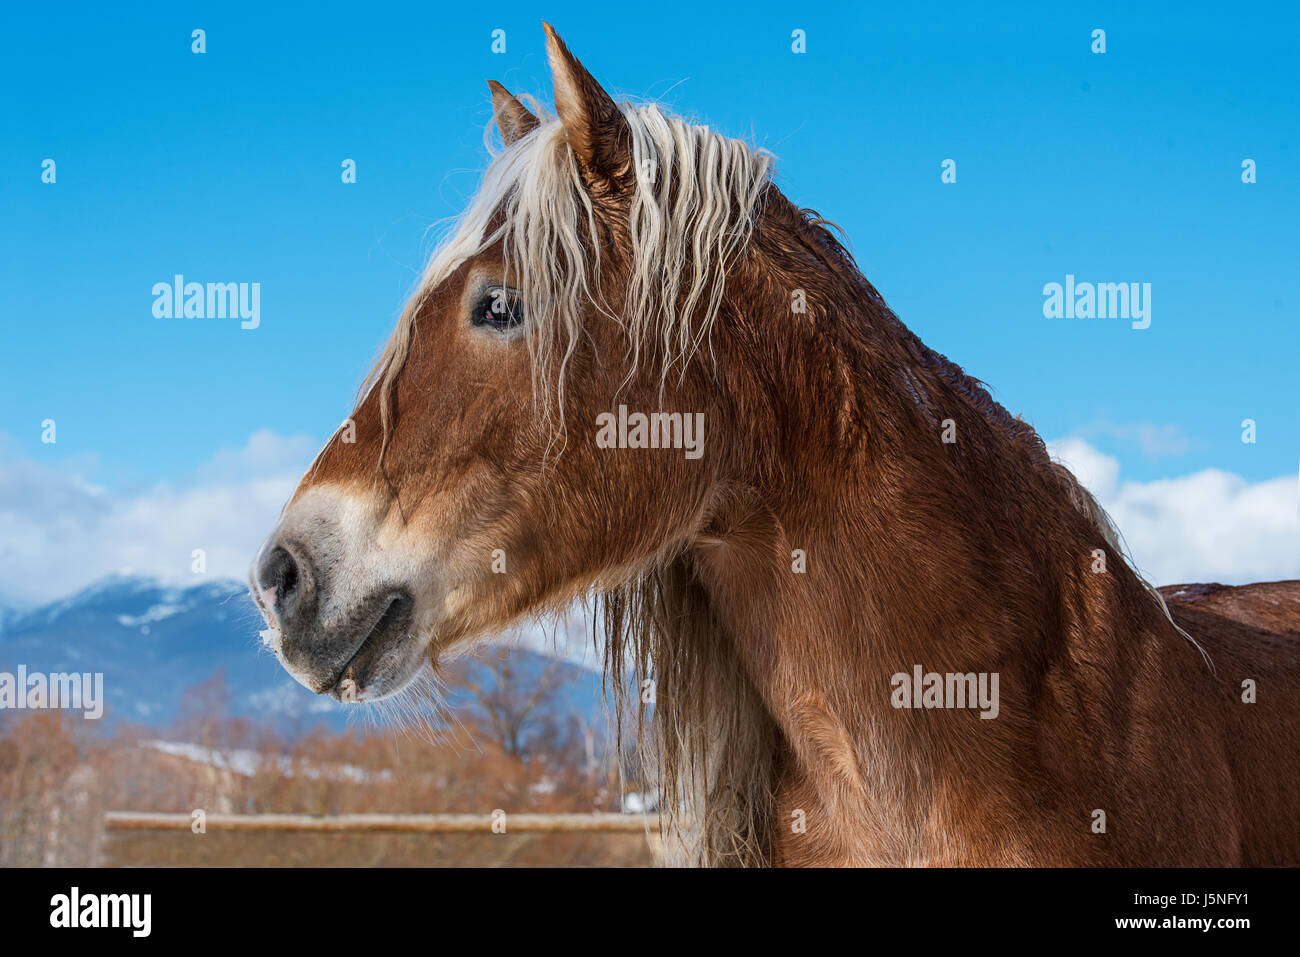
x=247, y=763
x=291, y=700
x=156, y=613
x=635, y=802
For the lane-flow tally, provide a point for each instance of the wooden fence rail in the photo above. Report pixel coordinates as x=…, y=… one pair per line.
x=390, y=823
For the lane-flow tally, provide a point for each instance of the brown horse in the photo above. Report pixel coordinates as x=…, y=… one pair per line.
x=881, y=625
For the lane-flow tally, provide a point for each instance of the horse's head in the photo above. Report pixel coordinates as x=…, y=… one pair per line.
x=542, y=422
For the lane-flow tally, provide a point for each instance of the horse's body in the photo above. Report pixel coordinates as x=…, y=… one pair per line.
x=864, y=510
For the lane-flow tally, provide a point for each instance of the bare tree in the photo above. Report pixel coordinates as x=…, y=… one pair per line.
x=514, y=702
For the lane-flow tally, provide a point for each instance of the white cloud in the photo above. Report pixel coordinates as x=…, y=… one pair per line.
x=1153, y=441
x=1207, y=526
x=59, y=531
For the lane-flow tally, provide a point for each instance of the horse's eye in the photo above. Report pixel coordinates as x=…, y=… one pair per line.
x=499, y=309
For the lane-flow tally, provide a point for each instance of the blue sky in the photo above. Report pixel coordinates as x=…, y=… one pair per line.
x=1116, y=167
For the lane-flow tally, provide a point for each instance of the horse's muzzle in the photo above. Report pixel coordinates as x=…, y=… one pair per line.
x=348, y=656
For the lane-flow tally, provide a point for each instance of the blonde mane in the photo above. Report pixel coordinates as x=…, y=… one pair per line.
x=693, y=204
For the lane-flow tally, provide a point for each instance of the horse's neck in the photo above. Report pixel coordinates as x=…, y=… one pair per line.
x=908, y=551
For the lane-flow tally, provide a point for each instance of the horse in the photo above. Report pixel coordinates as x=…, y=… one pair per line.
x=863, y=547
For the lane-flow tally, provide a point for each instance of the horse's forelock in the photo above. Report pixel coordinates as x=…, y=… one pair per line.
x=690, y=208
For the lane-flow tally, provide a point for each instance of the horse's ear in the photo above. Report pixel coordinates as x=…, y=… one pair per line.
x=513, y=119
x=592, y=122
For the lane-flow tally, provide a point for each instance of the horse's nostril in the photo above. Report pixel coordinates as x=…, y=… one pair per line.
x=278, y=575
